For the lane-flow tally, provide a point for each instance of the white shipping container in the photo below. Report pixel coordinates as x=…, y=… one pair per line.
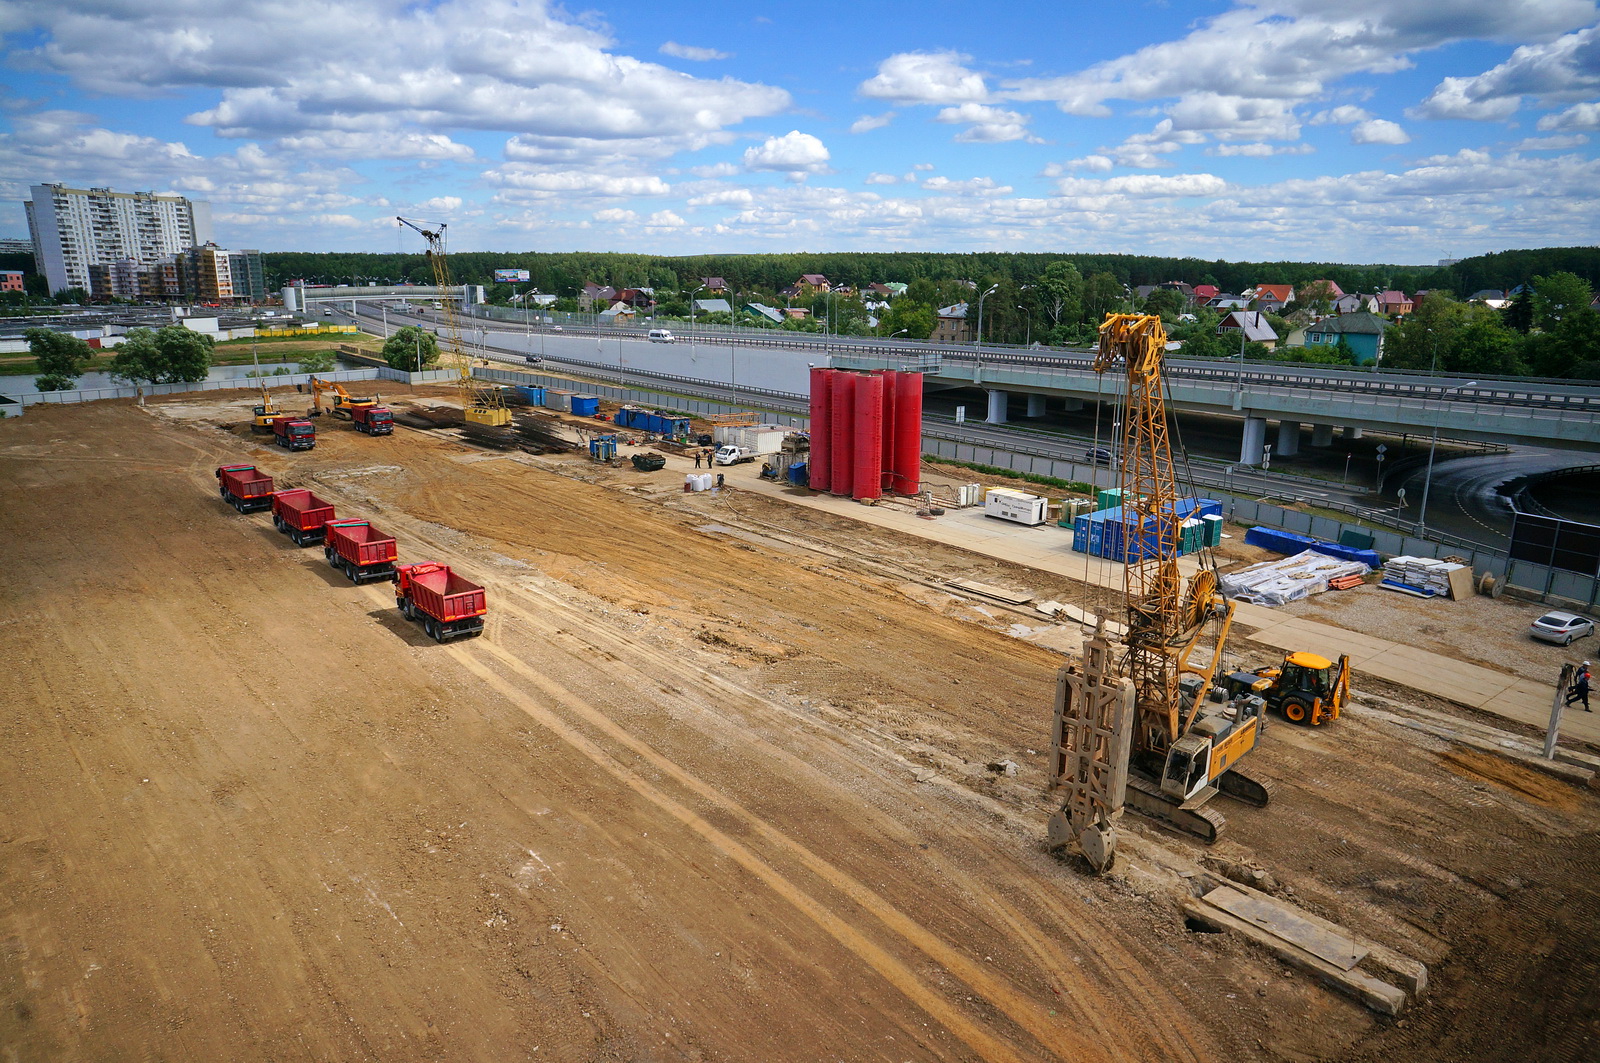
x=757, y=438
x=1017, y=506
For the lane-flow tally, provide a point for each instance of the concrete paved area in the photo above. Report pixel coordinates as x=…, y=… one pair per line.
x=1049, y=548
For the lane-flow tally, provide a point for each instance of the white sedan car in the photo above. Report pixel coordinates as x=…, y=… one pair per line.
x=1561, y=627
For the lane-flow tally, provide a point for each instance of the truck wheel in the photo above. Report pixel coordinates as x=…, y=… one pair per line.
x=1296, y=709
x=333, y=559
x=223, y=491
x=350, y=572
x=409, y=610
x=431, y=626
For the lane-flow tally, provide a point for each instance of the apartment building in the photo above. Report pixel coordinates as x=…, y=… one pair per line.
x=76, y=228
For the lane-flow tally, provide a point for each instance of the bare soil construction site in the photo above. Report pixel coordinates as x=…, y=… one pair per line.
x=715, y=784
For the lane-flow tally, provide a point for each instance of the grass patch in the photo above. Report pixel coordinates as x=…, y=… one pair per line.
x=1075, y=486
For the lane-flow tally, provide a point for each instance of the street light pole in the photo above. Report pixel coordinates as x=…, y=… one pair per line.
x=992, y=289
x=1427, y=480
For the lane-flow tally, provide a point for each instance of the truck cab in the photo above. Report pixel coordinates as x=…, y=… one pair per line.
x=294, y=433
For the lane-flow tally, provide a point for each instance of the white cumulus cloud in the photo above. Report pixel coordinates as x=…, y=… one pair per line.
x=795, y=153
x=1188, y=184
x=690, y=52
x=986, y=125
x=1378, y=131
x=926, y=77
x=868, y=122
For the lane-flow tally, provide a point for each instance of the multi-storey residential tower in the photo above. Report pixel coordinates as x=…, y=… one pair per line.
x=76, y=228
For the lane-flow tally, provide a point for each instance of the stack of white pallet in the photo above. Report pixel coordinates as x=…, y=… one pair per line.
x=1422, y=576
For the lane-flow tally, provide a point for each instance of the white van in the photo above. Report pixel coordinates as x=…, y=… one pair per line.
x=661, y=335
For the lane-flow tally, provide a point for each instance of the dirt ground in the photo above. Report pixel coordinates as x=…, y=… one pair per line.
x=713, y=785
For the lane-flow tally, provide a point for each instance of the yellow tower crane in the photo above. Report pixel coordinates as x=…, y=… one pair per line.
x=479, y=405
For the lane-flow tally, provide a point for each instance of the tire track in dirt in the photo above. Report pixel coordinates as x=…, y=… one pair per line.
x=620, y=651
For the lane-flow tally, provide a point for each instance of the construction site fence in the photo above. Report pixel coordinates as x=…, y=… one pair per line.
x=431, y=376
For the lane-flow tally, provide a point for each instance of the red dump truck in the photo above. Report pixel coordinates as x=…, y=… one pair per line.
x=448, y=603
x=362, y=551
x=301, y=515
x=244, y=487
x=294, y=433
x=373, y=420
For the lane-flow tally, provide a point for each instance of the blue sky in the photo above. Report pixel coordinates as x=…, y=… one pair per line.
x=1357, y=131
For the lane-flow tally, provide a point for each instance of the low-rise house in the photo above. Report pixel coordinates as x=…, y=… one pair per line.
x=811, y=284
x=881, y=291
x=1493, y=298
x=1204, y=293
x=1363, y=332
x=10, y=280
x=761, y=310
x=951, y=325
x=1253, y=323
x=1394, y=303
x=1272, y=297
x=596, y=293
x=797, y=313
x=712, y=306
x=638, y=297
x=1354, y=303
x=714, y=284
x=617, y=314
x=1228, y=301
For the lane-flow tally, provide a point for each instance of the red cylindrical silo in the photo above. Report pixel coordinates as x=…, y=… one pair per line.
x=886, y=452
x=817, y=463
x=908, y=433
x=868, y=482
x=841, y=431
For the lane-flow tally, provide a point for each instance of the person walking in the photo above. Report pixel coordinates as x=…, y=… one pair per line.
x=697, y=459
x=1580, y=688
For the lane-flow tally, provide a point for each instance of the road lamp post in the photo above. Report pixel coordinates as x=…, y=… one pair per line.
x=978, y=342
x=1427, y=480
x=1029, y=319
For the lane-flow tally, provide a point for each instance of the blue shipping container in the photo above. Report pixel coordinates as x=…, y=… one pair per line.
x=585, y=405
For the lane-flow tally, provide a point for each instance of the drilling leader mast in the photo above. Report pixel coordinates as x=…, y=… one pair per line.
x=1152, y=730
x=479, y=405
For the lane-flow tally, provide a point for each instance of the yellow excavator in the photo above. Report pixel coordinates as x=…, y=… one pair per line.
x=264, y=412
x=342, y=399
x=267, y=410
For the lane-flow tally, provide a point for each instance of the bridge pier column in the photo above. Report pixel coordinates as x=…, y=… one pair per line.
x=997, y=406
x=1074, y=405
x=1351, y=432
x=1255, y=436
x=1288, y=439
x=1035, y=405
x=1322, y=435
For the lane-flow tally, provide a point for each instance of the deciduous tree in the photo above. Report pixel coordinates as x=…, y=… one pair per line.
x=61, y=357
x=402, y=349
x=165, y=356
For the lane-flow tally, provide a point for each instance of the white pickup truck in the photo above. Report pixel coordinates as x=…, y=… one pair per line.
x=733, y=454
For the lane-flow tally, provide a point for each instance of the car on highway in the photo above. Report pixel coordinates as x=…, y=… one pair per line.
x=1561, y=627
x=1097, y=456
x=534, y=359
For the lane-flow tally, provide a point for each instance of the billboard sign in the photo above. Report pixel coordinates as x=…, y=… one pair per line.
x=510, y=276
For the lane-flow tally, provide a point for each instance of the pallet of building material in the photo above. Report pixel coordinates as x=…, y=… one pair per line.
x=1289, y=579
x=1412, y=589
x=1344, y=583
